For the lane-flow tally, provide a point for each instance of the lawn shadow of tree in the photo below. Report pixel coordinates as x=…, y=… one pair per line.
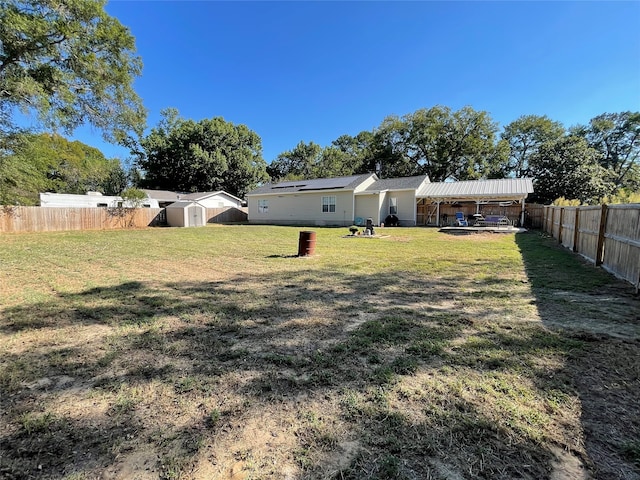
x=307, y=363
x=601, y=315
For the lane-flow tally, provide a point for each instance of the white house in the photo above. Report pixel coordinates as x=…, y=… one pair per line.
x=218, y=199
x=354, y=199
x=336, y=201
x=90, y=200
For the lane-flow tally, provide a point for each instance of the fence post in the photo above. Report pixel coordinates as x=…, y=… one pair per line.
x=560, y=224
x=576, y=226
x=601, y=232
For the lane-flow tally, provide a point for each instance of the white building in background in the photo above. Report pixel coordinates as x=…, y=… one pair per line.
x=217, y=199
x=90, y=200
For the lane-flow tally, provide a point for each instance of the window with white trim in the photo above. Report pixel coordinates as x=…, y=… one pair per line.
x=393, y=206
x=329, y=204
x=263, y=206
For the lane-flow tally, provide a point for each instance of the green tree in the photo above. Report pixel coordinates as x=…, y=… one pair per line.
x=569, y=168
x=443, y=144
x=51, y=163
x=117, y=179
x=301, y=162
x=208, y=155
x=524, y=136
x=617, y=137
x=70, y=63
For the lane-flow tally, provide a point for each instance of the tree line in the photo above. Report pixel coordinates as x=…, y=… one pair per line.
x=68, y=63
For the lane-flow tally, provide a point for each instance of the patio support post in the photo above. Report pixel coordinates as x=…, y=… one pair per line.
x=438, y=213
x=522, y=213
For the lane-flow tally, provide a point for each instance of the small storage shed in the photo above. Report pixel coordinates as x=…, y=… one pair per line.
x=186, y=214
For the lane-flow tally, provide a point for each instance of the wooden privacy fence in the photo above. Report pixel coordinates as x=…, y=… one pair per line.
x=226, y=215
x=607, y=235
x=51, y=219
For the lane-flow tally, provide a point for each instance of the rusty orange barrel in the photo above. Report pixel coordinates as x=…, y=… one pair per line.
x=307, y=244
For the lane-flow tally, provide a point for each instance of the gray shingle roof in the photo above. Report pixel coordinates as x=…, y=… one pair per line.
x=336, y=183
x=503, y=188
x=401, y=183
x=164, y=195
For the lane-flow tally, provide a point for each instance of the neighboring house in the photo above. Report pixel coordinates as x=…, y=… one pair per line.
x=354, y=199
x=219, y=199
x=163, y=197
x=90, y=200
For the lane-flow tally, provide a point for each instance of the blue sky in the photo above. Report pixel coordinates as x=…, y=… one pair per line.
x=313, y=71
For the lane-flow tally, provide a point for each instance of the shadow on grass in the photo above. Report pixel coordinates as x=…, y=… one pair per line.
x=585, y=304
x=422, y=388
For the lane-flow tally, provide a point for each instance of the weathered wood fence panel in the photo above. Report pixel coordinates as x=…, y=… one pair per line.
x=588, y=231
x=50, y=219
x=607, y=235
x=227, y=215
x=621, y=254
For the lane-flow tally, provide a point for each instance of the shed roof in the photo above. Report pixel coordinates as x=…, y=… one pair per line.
x=183, y=204
x=507, y=188
x=293, y=186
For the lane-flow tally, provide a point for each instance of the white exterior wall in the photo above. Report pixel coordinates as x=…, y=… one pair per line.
x=219, y=201
x=176, y=217
x=406, y=206
x=302, y=208
x=368, y=206
x=68, y=200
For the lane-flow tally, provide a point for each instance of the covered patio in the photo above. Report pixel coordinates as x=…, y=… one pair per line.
x=438, y=203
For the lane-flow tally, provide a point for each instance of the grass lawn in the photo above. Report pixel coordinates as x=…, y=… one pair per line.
x=216, y=353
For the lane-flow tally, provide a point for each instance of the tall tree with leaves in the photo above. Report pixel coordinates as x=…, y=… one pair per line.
x=444, y=144
x=524, y=136
x=51, y=163
x=300, y=162
x=70, y=63
x=617, y=137
x=211, y=154
x=569, y=168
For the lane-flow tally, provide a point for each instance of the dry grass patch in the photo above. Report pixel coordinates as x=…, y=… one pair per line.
x=214, y=353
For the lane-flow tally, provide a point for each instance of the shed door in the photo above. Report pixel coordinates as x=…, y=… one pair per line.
x=195, y=216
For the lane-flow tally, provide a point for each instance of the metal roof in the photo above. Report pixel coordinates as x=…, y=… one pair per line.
x=507, y=188
x=292, y=186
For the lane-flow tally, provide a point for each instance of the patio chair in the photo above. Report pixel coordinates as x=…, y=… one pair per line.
x=462, y=221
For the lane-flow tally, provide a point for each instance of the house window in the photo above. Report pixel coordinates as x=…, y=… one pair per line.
x=263, y=206
x=393, y=206
x=329, y=204
x=104, y=205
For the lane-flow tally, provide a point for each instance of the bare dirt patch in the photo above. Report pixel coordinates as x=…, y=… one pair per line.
x=442, y=357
